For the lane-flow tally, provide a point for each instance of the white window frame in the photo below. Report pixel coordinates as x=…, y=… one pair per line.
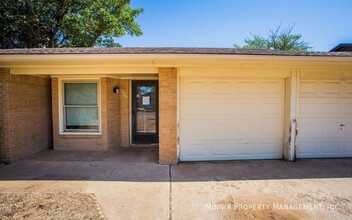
x=62, y=126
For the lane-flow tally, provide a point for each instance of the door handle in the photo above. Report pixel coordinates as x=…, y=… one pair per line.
x=342, y=125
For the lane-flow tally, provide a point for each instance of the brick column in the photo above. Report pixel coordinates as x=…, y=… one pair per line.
x=113, y=114
x=124, y=113
x=55, y=109
x=167, y=115
x=5, y=151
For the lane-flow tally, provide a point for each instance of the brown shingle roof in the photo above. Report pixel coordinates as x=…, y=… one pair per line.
x=166, y=50
x=342, y=47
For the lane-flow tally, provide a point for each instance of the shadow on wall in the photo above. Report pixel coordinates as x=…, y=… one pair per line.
x=141, y=165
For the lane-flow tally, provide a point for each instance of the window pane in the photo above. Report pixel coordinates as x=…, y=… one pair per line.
x=146, y=110
x=81, y=118
x=80, y=93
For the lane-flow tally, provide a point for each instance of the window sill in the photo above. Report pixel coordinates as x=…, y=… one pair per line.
x=80, y=135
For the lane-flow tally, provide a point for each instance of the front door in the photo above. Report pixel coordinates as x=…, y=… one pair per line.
x=145, y=114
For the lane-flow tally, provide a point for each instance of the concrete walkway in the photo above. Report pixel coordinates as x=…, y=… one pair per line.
x=129, y=184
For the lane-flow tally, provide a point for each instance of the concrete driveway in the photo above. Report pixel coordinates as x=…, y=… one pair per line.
x=129, y=184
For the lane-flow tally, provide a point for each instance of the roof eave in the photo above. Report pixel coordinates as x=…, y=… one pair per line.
x=171, y=60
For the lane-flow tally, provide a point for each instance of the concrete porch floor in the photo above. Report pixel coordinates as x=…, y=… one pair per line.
x=124, y=164
x=130, y=184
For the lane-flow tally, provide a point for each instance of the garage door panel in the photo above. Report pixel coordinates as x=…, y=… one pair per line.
x=347, y=147
x=230, y=150
x=258, y=107
x=348, y=89
x=346, y=130
x=245, y=108
x=195, y=87
x=271, y=88
x=243, y=128
x=221, y=149
x=245, y=88
x=319, y=127
x=306, y=148
x=205, y=88
x=223, y=88
x=214, y=111
x=271, y=148
x=205, y=129
x=321, y=149
x=270, y=108
x=331, y=108
x=321, y=88
x=324, y=106
x=330, y=147
x=245, y=149
x=219, y=129
x=193, y=129
x=327, y=147
x=308, y=108
x=247, y=128
x=243, y=119
x=308, y=128
x=258, y=149
x=331, y=88
x=192, y=108
x=330, y=129
x=309, y=88
x=208, y=107
x=259, y=88
x=231, y=129
x=230, y=108
x=269, y=128
x=321, y=107
x=196, y=150
x=348, y=108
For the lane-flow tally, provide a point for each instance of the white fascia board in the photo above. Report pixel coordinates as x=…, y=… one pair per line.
x=151, y=57
x=110, y=63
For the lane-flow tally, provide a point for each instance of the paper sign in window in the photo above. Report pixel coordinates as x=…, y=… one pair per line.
x=146, y=100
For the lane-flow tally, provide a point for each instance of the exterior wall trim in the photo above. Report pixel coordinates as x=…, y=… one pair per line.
x=178, y=115
x=293, y=99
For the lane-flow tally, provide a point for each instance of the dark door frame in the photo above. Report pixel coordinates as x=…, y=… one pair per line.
x=146, y=138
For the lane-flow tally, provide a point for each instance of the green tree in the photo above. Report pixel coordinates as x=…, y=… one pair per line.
x=278, y=39
x=66, y=23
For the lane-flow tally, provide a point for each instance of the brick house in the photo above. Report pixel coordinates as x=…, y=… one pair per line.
x=193, y=103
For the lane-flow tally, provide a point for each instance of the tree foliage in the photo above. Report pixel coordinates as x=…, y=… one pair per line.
x=278, y=39
x=66, y=23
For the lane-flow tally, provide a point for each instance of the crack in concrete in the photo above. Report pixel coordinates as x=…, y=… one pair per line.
x=170, y=193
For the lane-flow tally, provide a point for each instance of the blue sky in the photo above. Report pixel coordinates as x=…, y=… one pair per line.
x=221, y=23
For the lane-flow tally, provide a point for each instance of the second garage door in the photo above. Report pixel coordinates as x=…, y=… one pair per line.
x=325, y=119
x=231, y=119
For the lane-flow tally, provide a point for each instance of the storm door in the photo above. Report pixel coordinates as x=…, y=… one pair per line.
x=145, y=120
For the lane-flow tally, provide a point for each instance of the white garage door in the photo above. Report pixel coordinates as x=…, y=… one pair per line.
x=325, y=119
x=231, y=119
